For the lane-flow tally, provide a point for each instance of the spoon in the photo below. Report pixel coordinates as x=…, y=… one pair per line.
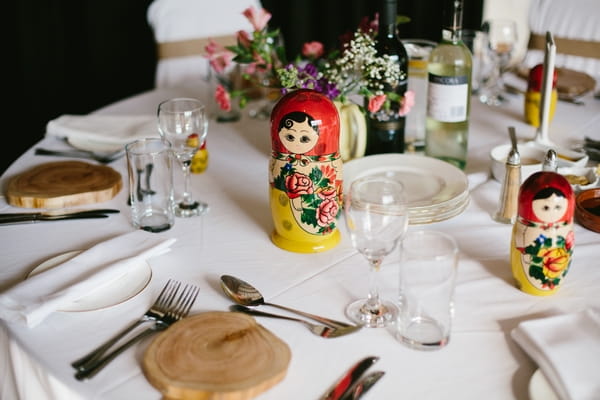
x=319, y=330
x=245, y=294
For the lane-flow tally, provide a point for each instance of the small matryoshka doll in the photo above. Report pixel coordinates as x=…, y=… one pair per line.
x=542, y=238
x=305, y=172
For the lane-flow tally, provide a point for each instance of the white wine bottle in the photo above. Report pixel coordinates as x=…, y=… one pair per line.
x=386, y=129
x=449, y=89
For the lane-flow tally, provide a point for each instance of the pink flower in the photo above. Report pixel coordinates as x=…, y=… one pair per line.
x=223, y=98
x=376, y=102
x=258, y=18
x=327, y=212
x=243, y=39
x=298, y=184
x=407, y=103
x=218, y=56
x=312, y=49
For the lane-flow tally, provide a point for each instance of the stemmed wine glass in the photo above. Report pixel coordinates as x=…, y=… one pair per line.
x=502, y=38
x=377, y=218
x=183, y=122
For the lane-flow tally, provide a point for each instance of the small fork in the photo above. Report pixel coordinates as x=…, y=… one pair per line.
x=156, y=311
x=179, y=311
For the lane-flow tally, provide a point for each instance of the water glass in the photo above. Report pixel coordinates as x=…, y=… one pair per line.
x=428, y=266
x=149, y=167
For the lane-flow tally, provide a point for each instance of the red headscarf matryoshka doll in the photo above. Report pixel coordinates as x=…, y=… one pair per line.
x=542, y=237
x=305, y=172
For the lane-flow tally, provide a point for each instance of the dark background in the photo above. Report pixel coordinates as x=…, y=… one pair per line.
x=75, y=56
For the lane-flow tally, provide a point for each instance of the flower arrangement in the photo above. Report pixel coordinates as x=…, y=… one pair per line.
x=355, y=69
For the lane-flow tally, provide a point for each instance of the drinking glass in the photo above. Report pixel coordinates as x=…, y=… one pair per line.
x=376, y=217
x=183, y=122
x=502, y=38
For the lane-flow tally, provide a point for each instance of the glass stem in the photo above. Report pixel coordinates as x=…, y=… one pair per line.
x=187, y=194
x=373, y=302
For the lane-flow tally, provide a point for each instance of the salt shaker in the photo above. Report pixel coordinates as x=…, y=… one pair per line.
x=543, y=238
x=507, y=212
x=305, y=172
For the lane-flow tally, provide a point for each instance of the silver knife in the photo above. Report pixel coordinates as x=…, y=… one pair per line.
x=362, y=386
x=56, y=215
x=350, y=377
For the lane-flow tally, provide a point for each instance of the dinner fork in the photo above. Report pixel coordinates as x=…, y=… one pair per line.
x=156, y=311
x=178, y=311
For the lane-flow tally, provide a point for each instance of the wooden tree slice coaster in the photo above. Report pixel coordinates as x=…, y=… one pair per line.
x=63, y=184
x=216, y=355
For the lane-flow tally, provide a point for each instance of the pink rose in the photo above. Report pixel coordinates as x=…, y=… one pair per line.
x=312, y=50
x=298, y=184
x=407, y=103
x=258, y=18
x=327, y=212
x=218, y=56
x=223, y=98
x=376, y=102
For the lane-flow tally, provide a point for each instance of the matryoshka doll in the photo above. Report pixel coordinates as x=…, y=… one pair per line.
x=305, y=172
x=542, y=238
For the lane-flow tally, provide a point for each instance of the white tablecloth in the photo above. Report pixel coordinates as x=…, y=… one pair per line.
x=481, y=360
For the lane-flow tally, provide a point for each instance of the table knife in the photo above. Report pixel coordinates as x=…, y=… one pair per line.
x=19, y=218
x=361, y=387
x=349, y=379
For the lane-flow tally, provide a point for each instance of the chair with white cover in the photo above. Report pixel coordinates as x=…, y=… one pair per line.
x=181, y=30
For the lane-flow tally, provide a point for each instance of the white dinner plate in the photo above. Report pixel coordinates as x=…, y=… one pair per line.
x=539, y=388
x=436, y=190
x=93, y=145
x=129, y=285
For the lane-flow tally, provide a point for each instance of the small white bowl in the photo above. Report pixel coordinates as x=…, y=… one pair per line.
x=532, y=159
x=574, y=173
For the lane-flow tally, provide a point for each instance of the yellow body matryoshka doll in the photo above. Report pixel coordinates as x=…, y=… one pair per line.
x=305, y=172
x=543, y=239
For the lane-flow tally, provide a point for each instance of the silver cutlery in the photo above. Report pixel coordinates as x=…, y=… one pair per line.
x=55, y=215
x=363, y=385
x=156, y=311
x=102, y=157
x=245, y=294
x=319, y=330
x=349, y=379
x=178, y=311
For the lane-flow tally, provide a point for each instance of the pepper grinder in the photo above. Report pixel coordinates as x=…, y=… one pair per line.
x=550, y=161
x=509, y=197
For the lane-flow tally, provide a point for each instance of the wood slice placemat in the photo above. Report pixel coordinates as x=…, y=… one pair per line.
x=216, y=355
x=63, y=184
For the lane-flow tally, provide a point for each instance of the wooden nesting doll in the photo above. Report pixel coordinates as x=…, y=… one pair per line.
x=542, y=237
x=305, y=172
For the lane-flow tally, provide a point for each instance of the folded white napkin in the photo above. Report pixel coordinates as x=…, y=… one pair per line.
x=33, y=299
x=567, y=350
x=113, y=130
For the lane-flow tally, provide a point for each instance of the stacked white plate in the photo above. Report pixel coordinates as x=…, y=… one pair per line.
x=436, y=190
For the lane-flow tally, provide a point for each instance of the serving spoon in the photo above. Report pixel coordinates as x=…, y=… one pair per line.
x=319, y=330
x=245, y=294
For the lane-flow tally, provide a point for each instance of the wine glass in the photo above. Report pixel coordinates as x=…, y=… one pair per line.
x=377, y=218
x=502, y=38
x=183, y=122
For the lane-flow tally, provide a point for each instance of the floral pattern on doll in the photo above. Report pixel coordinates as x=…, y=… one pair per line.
x=549, y=253
x=313, y=192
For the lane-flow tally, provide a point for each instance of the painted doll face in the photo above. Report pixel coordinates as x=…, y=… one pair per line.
x=550, y=209
x=298, y=137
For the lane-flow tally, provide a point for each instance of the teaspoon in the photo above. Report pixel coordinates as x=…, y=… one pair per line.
x=245, y=294
x=319, y=330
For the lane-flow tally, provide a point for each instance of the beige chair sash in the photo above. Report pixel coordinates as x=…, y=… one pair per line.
x=191, y=47
x=573, y=47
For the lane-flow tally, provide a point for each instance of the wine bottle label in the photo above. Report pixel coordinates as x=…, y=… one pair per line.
x=447, y=98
